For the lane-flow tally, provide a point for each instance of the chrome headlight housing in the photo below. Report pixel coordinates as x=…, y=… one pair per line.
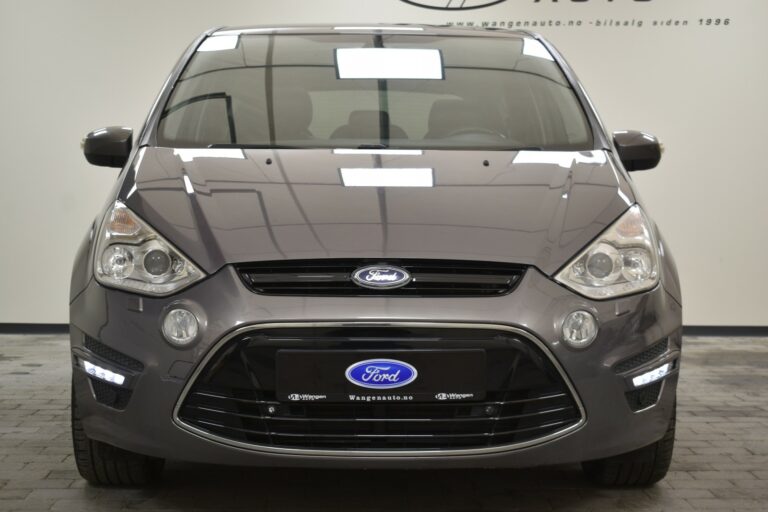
x=132, y=256
x=623, y=260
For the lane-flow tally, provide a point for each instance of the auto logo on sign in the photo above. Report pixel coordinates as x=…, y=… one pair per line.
x=381, y=276
x=453, y=5
x=381, y=373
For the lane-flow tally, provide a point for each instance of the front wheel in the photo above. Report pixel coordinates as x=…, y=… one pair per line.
x=103, y=464
x=642, y=467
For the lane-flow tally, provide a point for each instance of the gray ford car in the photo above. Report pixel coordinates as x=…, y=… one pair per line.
x=374, y=247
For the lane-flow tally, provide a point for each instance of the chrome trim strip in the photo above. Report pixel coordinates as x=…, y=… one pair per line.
x=376, y=453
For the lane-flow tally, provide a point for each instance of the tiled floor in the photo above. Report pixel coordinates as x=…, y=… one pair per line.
x=721, y=456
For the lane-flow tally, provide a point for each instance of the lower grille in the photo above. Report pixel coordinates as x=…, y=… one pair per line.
x=644, y=397
x=400, y=426
x=234, y=396
x=333, y=278
x=112, y=396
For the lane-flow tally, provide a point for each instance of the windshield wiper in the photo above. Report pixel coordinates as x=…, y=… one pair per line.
x=373, y=146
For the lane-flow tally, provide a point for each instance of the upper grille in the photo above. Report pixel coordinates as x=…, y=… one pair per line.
x=333, y=278
x=234, y=396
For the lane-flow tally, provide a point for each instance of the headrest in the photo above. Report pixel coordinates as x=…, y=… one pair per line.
x=368, y=118
x=449, y=115
x=293, y=107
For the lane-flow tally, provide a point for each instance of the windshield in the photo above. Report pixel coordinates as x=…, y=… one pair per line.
x=315, y=91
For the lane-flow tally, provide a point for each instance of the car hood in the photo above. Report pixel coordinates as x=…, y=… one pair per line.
x=222, y=206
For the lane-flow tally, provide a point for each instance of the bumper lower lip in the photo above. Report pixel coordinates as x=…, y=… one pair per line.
x=379, y=453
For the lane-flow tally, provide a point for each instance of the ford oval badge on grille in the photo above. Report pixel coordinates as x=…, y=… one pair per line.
x=381, y=276
x=381, y=373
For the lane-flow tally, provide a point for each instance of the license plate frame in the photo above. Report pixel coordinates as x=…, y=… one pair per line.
x=444, y=375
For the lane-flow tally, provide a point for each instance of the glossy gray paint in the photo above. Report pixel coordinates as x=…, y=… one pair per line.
x=531, y=207
x=538, y=208
x=537, y=306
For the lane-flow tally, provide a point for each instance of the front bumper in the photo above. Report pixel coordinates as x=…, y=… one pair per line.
x=148, y=424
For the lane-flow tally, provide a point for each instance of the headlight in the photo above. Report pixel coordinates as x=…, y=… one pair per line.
x=624, y=259
x=132, y=256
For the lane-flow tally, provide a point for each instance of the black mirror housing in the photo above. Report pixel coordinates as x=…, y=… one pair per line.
x=108, y=147
x=638, y=151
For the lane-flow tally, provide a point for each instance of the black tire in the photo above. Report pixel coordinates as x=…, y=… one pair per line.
x=639, y=468
x=103, y=464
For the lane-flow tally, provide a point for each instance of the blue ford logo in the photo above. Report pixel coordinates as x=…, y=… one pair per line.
x=381, y=374
x=381, y=276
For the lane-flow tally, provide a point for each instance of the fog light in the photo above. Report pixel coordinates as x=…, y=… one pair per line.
x=180, y=327
x=651, y=376
x=103, y=373
x=579, y=329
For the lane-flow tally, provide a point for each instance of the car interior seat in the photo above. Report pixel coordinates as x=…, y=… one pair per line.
x=367, y=124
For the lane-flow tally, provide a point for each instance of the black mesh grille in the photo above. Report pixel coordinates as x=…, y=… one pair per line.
x=109, y=395
x=333, y=277
x=384, y=426
x=646, y=356
x=112, y=355
x=234, y=396
x=644, y=397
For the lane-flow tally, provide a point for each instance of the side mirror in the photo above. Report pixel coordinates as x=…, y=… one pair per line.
x=108, y=146
x=638, y=151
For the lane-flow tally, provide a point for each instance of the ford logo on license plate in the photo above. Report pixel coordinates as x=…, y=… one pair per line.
x=381, y=276
x=381, y=374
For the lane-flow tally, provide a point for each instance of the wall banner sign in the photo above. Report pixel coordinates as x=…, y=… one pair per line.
x=453, y=5
x=527, y=14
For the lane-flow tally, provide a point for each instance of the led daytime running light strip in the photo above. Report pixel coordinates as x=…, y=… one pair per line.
x=103, y=374
x=652, y=376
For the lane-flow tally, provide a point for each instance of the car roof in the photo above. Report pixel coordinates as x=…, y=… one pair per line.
x=373, y=28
